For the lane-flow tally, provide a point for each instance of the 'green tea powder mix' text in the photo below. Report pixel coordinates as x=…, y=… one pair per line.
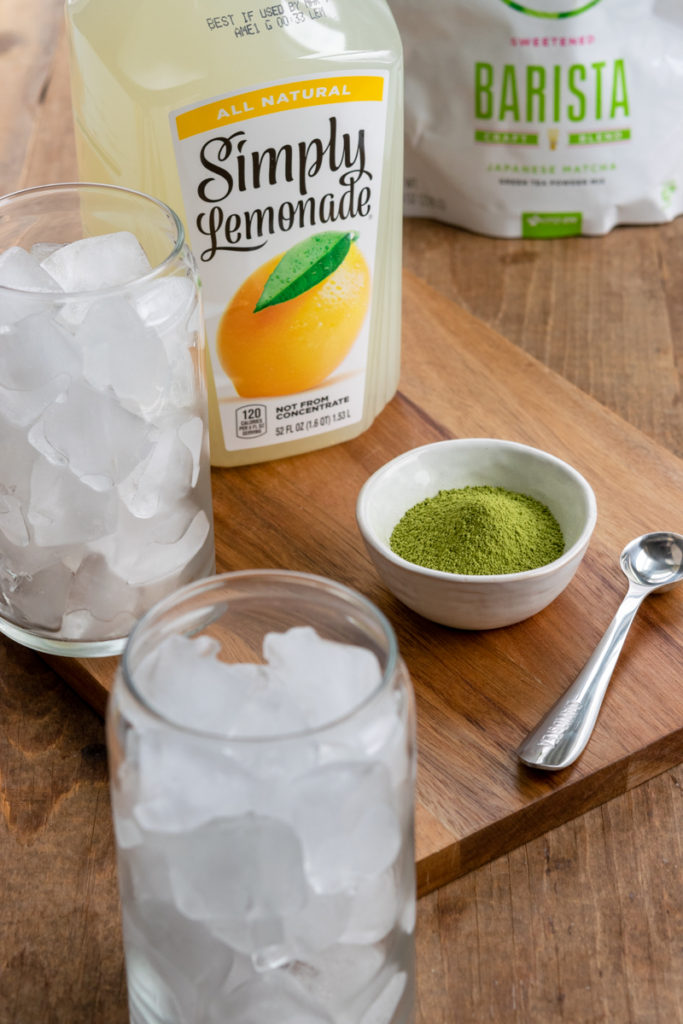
x=478, y=531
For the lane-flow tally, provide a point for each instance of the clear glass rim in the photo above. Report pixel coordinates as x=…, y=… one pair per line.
x=347, y=594
x=93, y=187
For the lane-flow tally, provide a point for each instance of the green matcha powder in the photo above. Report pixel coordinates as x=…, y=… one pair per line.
x=478, y=531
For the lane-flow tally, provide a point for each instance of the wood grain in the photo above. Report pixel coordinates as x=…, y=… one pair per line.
x=583, y=925
x=478, y=694
x=605, y=313
x=580, y=926
x=60, y=941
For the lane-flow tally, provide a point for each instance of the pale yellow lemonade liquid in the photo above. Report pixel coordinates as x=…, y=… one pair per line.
x=153, y=79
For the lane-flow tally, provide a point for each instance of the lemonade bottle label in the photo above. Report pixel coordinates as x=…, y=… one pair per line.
x=281, y=187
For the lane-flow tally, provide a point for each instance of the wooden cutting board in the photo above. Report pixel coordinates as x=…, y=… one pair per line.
x=479, y=693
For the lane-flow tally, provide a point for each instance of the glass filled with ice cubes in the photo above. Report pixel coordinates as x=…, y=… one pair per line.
x=261, y=741
x=105, y=492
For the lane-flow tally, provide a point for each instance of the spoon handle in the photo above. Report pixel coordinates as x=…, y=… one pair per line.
x=564, y=731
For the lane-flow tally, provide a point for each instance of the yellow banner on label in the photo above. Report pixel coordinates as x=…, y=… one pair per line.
x=312, y=92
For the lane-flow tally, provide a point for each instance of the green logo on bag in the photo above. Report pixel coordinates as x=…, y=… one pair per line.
x=553, y=8
x=551, y=225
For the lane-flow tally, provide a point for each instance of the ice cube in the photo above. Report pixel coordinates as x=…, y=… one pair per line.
x=16, y=461
x=35, y=599
x=41, y=250
x=90, y=432
x=36, y=351
x=378, y=731
x=63, y=510
x=340, y=977
x=128, y=834
x=37, y=361
x=373, y=910
x=269, y=999
x=100, y=261
x=99, y=591
x=409, y=911
x=150, y=553
x=171, y=306
x=143, y=872
x=186, y=782
x=28, y=560
x=22, y=408
x=242, y=971
x=134, y=534
x=275, y=940
x=244, y=871
x=165, y=476
x=82, y=625
x=384, y=1007
x=34, y=581
x=344, y=816
x=158, y=561
x=12, y=522
x=191, y=433
x=20, y=269
x=320, y=923
x=326, y=679
x=183, y=679
x=167, y=303
x=277, y=764
x=120, y=352
x=149, y=997
x=271, y=712
x=185, y=361
x=164, y=947
x=24, y=280
x=243, y=877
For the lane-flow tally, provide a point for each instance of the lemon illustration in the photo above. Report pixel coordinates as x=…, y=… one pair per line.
x=282, y=345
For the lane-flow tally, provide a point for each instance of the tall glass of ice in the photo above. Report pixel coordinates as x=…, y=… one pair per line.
x=262, y=759
x=105, y=494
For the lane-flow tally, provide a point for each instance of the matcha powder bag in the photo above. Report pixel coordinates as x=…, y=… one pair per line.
x=543, y=118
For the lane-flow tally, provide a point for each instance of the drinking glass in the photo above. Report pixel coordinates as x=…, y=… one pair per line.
x=105, y=494
x=262, y=758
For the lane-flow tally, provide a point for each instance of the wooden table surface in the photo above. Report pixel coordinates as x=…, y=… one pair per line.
x=584, y=924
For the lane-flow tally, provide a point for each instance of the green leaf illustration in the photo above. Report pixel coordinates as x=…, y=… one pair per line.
x=304, y=265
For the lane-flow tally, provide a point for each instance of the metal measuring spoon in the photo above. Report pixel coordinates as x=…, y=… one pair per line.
x=652, y=562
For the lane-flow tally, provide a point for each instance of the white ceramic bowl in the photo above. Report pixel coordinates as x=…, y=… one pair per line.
x=475, y=602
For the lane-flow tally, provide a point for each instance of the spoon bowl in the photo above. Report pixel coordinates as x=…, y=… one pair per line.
x=651, y=563
x=654, y=560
